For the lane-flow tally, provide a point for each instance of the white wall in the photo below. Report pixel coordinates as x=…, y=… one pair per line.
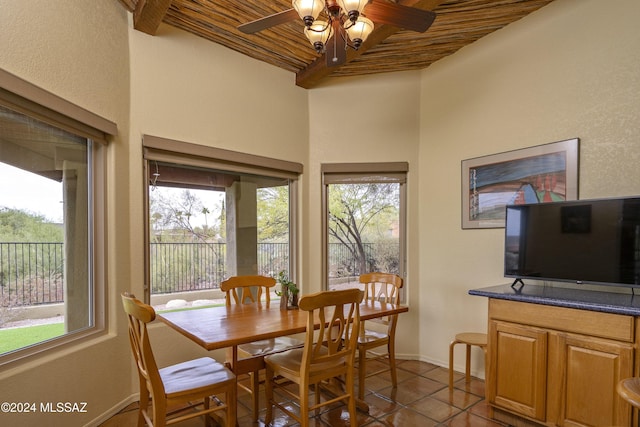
x=568, y=70
x=187, y=88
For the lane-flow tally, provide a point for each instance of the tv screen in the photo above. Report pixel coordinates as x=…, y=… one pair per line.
x=584, y=241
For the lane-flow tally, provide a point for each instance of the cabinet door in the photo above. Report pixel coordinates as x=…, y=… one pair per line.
x=583, y=378
x=517, y=368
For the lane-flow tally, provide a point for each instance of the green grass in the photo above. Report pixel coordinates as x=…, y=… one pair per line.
x=16, y=338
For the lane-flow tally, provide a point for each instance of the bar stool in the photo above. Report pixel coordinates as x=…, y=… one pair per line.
x=629, y=390
x=469, y=339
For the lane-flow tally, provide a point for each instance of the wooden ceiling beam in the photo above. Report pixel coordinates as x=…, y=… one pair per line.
x=149, y=14
x=318, y=69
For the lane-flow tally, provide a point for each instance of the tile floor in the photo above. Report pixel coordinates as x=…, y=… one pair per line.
x=421, y=399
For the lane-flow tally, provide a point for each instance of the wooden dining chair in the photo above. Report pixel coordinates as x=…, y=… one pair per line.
x=177, y=385
x=250, y=290
x=383, y=287
x=328, y=353
x=247, y=289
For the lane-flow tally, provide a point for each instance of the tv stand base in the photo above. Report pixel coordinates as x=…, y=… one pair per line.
x=515, y=282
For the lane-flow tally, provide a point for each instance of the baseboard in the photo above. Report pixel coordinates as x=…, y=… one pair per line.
x=514, y=420
x=113, y=410
x=474, y=372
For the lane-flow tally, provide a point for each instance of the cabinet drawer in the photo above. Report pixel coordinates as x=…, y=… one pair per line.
x=605, y=325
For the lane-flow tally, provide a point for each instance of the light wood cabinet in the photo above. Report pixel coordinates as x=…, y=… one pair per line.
x=518, y=368
x=559, y=366
x=585, y=373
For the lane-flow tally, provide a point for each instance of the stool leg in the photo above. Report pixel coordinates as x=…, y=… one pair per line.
x=486, y=364
x=468, y=365
x=453, y=343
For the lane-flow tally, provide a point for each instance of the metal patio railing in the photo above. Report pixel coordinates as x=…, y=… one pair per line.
x=33, y=273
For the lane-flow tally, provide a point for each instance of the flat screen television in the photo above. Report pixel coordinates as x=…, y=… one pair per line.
x=583, y=241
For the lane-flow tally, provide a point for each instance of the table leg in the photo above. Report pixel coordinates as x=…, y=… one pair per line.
x=246, y=365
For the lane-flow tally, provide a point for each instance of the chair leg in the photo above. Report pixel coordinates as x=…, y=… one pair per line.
x=353, y=420
x=304, y=404
x=159, y=412
x=362, y=371
x=232, y=404
x=391, y=354
x=317, y=397
x=144, y=404
x=207, y=417
x=268, y=391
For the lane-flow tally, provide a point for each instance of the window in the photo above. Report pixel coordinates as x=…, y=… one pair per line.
x=364, y=221
x=213, y=214
x=51, y=221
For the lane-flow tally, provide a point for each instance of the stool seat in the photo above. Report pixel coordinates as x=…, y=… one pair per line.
x=469, y=339
x=629, y=390
x=472, y=338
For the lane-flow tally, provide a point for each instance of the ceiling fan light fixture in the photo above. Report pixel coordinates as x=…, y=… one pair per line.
x=318, y=33
x=308, y=10
x=358, y=31
x=352, y=8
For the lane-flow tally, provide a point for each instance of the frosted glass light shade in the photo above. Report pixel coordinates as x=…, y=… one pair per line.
x=359, y=31
x=318, y=33
x=308, y=8
x=353, y=8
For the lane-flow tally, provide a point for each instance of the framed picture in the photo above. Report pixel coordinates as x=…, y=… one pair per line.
x=540, y=174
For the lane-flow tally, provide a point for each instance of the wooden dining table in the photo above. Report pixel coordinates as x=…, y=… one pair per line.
x=227, y=327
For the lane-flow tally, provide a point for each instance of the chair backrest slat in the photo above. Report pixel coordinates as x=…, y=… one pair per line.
x=247, y=289
x=382, y=287
x=338, y=313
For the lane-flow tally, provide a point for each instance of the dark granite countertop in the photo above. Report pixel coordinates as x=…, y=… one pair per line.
x=622, y=302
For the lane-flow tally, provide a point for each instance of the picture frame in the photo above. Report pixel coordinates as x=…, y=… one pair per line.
x=539, y=174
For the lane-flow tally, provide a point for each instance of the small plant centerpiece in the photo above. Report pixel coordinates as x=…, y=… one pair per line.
x=288, y=292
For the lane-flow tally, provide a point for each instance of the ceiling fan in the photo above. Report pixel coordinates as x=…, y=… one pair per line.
x=349, y=22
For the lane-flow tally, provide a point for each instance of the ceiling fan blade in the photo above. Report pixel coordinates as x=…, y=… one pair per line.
x=269, y=21
x=409, y=18
x=335, y=51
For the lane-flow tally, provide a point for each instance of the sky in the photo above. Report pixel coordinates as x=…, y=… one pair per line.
x=211, y=199
x=30, y=192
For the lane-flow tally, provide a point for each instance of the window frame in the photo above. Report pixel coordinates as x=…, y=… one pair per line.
x=353, y=173
x=30, y=100
x=162, y=149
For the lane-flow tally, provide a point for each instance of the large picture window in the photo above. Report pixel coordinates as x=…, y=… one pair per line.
x=51, y=221
x=213, y=214
x=364, y=221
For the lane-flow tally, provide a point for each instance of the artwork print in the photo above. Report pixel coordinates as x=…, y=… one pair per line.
x=541, y=174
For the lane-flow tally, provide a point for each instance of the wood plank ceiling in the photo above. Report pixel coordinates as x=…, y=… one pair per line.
x=458, y=23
